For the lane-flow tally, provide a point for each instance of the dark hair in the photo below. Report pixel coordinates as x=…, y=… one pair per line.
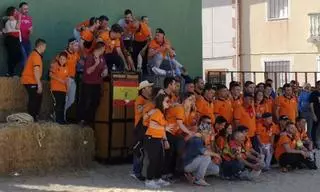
x=116, y=28
x=143, y=17
x=267, y=85
x=22, y=4
x=203, y=117
x=87, y=44
x=155, y=91
x=293, y=82
x=220, y=120
x=318, y=83
x=256, y=96
x=248, y=83
x=92, y=21
x=287, y=85
x=10, y=11
x=103, y=18
x=187, y=95
x=40, y=42
x=63, y=54
x=241, y=129
x=269, y=80
x=197, y=79
x=299, y=118
x=159, y=102
x=220, y=86
x=207, y=87
x=167, y=81
x=99, y=45
x=261, y=84
x=234, y=84
x=127, y=12
x=223, y=132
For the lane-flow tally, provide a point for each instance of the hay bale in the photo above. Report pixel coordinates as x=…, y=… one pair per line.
x=42, y=147
x=13, y=98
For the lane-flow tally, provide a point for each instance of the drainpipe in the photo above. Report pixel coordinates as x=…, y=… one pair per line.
x=238, y=35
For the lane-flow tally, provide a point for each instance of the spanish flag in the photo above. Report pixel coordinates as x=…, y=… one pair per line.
x=124, y=92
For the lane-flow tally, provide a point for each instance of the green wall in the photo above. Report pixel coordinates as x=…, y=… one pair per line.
x=54, y=21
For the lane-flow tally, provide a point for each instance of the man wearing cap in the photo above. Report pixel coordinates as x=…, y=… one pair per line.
x=160, y=50
x=145, y=92
x=73, y=59
x=265, y=132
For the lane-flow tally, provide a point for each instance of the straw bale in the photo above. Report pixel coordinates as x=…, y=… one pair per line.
x=43, y=147
x=13, y=98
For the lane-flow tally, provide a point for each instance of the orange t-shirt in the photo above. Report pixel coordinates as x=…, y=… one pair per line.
x=302, y=136
x=146, y=109
x=72, y=60
x=87, y=35
x=265, y=134
x=287, y=107
x=220, y=142
x=269, y=102
x=60, y=72
x=236, y=102
x=160, y=131
x=143, y=33
x=154, y=45
x=284, y=139
x=246, y=117
x=138, y=108
x=111, y=44
x=173, y=114
x=224, y=108
x=260, y=109
x=34, y=60
x=205, y=108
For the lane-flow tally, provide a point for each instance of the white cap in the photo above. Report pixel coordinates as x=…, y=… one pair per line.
x=144, y=84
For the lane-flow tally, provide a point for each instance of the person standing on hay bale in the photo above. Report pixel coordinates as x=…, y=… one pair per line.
x=59, y=85
x=31, y=78
x=95, y=69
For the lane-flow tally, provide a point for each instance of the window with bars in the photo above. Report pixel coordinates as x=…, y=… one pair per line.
x=216, y=78
x=278, y=9
x=278, y=71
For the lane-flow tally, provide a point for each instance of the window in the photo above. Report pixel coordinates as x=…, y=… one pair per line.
x=216, y=77
x=278, y=71
x=278, y=9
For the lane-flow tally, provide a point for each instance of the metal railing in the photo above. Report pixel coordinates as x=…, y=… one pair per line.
x=279, y=78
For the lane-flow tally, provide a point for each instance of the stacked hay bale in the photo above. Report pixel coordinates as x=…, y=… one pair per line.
x=13, y=98
x=35, y=147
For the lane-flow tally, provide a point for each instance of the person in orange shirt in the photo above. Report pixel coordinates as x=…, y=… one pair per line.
x=160, y=50
x=170, y=87
x=236, y=99
x=73, y=58
x=145, y=94
x=59, y=86
x=265, y=134
x=268, y=98
x=302, y=137
x=287, y=153
x=87, y=36
x=31, y=78
x=223, y=105
x=142, y=36
x=260, y=105
x=286, y=104
x=249, y=87
x=204, y=104
x=80, y=27
x=155, y=143
x=198, y=86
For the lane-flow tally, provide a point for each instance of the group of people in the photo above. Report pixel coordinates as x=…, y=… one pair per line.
x=232, y=133
x=95, y=50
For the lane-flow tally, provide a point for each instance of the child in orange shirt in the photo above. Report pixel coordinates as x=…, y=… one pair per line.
x=59, y=80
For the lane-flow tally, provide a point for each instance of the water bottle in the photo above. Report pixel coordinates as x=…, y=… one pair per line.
x=114, y=67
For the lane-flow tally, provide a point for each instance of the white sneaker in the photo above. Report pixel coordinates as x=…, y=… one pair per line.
x=152, y=184
x=162, y=182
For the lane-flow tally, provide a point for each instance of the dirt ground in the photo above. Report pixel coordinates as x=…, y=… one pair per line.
x=116, y=178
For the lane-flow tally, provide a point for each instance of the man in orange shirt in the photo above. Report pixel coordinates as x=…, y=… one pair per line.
x=31, y=78
x=249, y=87
x=161, y=56
x=268, y=97
x=170, y=88
x=58, y=84
x=73, y=58
x=286, y=104
x=222, y=105
x=204, y=104
x=235, y=90
x=198, y=86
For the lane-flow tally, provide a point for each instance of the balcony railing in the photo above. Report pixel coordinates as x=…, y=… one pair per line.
x=314, y=28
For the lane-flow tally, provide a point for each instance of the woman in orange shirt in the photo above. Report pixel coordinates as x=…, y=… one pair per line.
x=156, y=142
x=287, y=154
x=58, y=84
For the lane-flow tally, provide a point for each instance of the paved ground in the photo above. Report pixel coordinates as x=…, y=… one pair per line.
x=116, y=178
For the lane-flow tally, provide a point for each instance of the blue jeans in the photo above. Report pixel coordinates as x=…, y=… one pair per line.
x=137, y=165
x=26, y=50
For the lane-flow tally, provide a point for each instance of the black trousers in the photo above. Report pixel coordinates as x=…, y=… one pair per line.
x=14, y=52
x=155, y=152
x=114, y=59
x=34, y=101
x=137, y=47
x=314, y=130
x=89, y=102
x=295, y=161
x=174, y=156
x=59, y=104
